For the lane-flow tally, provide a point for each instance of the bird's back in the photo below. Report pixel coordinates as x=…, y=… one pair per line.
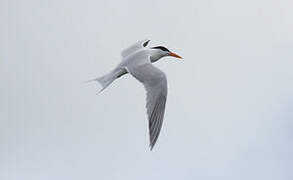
x=137, y=58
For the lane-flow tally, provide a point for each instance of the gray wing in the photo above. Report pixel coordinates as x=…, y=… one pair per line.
x=135, y=47
x=155, y=83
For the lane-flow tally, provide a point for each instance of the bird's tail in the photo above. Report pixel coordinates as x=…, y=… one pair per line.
x=105, y=80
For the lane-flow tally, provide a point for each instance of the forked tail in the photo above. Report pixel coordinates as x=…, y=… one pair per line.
x=105, y=80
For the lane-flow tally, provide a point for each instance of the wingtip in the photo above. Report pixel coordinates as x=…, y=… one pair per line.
x=152, y=145
x=146, y=42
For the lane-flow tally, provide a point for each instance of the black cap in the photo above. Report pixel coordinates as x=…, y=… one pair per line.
x=161, y=47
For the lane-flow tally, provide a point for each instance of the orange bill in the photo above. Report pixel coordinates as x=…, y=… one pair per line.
x=175, y=55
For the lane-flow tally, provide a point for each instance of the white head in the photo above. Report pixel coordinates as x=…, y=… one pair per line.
x=159, y=51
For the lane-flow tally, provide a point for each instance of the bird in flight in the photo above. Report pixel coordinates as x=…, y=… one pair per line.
x=137, y=60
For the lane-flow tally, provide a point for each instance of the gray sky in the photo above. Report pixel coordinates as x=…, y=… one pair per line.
x=229, y=108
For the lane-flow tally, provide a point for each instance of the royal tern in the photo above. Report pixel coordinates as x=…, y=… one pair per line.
x=137, y=60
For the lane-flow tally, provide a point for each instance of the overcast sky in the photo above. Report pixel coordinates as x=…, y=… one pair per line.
x=229, y=109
